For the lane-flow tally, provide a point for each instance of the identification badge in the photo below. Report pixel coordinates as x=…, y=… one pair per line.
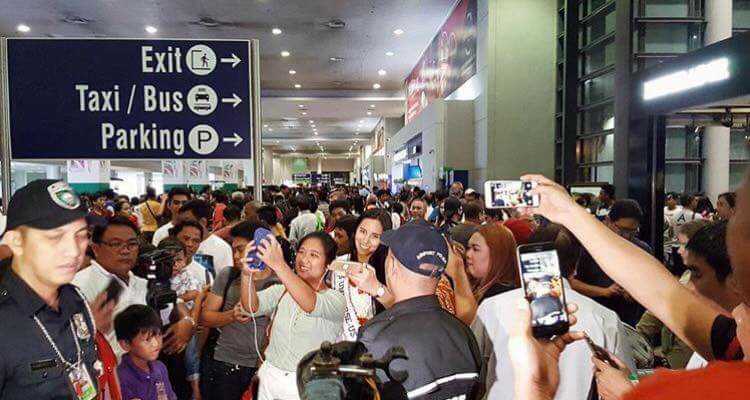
x=81, y=384
x=82, y=328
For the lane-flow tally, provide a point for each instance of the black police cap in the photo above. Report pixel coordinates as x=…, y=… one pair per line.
x=44, y=204
x=417, y=245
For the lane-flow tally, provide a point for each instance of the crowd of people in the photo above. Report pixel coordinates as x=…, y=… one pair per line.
x=435, y=273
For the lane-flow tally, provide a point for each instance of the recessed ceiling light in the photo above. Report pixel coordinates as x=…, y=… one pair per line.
x=285, y=53
x=313, y=125
x=276, y=31
x=265, y=126
x=23, y=28
x=372, y=105
x=362, y=121
x=150, y=29
x=277, y=142
x=398, y=32
x=301, y=106
x=336, y=59
x=376, y=86
x=304, y=113
x=292, y=72
x=270, y=129
x=297, y=86
x=382, y=72
x=312, y=122
x=315, y=133
x=389, y=53
x=369, y=113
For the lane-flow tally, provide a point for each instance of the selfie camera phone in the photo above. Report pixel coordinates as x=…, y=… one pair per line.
x=543, y=286
x=600, y=353
x=113, y=290
x=253, y=261
x=510, y=194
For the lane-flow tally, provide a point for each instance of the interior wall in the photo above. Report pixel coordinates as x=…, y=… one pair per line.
x=283, y=167
x=521, y=88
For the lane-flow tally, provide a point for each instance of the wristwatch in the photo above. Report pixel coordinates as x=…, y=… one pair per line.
x=380, y=292
x=192, y=321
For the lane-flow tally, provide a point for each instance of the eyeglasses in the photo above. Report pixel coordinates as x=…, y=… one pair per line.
x=129, y=245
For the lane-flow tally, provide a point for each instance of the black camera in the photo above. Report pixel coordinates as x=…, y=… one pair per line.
x=346, y=370
x=156, y=267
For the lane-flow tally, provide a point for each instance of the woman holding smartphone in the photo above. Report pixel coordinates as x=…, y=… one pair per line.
x=304, y=311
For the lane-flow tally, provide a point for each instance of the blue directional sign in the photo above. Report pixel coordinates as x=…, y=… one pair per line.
x=129, y=99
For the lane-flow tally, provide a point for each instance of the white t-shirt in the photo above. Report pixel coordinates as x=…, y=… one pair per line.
x=218, y=251
x=95, y=279
x=496, y=316
x=161, y=233
x=680, y=218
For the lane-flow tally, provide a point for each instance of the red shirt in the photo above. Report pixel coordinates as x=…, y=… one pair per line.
x=720, y=380
x=218, y=216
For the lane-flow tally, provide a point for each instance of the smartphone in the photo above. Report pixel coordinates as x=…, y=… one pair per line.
x=510, y=194
x=114, y=291
x=600, y=353
x=543, y=285
x=345, y=267
x=253, y=261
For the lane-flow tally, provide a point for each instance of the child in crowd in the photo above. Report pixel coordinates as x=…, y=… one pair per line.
x=189, y=290
x=142, y=376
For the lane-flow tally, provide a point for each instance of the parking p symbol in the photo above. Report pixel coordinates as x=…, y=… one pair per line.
x=203, y=139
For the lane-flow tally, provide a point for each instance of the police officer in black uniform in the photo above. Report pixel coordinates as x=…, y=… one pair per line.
x=444, y=361
x=47, y=348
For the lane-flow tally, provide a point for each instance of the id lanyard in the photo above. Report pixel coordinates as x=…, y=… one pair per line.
x=68, y=366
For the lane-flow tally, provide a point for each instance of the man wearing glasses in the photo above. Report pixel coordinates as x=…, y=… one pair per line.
x=115, y=247
x=624, y=219
x=176, y=198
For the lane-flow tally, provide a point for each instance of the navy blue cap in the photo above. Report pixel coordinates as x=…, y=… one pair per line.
x=419, y=246
x=44, y=204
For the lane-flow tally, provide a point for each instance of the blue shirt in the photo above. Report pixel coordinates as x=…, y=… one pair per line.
x=136, y=383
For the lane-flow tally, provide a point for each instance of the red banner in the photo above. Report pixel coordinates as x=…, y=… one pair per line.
x=447, y=63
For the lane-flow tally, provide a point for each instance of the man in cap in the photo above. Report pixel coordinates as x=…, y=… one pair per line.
x=48, y=347
x=444, y=360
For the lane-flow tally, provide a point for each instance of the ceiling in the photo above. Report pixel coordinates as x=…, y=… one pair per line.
x=336, y=94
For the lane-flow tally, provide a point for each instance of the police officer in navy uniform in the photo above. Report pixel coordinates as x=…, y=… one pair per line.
x=47, y=334
x=444, y=361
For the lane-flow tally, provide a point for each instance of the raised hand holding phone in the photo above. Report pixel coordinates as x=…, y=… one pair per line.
x=253, y=260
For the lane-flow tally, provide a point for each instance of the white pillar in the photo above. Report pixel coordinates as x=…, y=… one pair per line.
x=53, y=172
x=320, y=165
x=716, y=140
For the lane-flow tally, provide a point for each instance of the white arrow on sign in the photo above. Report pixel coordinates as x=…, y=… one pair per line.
x=237, y=139
x=234, y=99
x=234, y=60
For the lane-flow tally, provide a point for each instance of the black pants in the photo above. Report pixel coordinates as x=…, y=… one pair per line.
x=222, y=381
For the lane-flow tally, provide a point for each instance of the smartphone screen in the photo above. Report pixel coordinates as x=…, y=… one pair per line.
x=543, y=285
x=254, y=262
x=509, y=194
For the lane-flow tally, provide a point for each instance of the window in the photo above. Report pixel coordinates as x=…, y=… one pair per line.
x=671, y=38
x=596, y=150
x=682, y=178
x=597, y=89
x=667, y=8
x=598, y=57
x=739, y=157
x=741, y=14
x=683, y=143
x=597, y=119
x=600, y=173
